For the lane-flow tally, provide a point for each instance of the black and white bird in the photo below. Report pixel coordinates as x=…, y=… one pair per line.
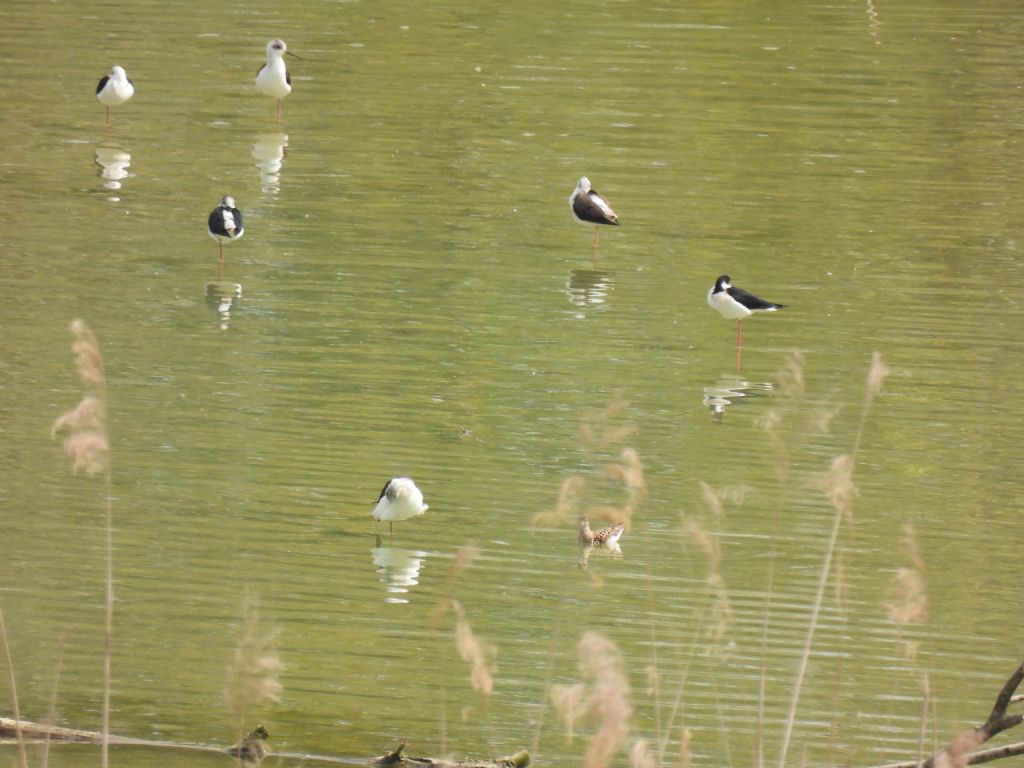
x=114, y=90
x=588, y=207
x=225, y=225
x=273, y=78
x=399, y=500
x=734, y=303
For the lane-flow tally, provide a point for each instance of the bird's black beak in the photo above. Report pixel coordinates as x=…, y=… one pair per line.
x=294, y=55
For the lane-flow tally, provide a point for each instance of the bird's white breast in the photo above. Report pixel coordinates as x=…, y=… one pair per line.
x=727, y=306
x=272, y=79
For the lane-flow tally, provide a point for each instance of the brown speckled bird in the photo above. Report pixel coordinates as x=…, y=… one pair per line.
x=606, y=537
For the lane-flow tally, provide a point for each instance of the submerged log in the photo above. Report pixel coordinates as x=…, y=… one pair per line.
x=520, y=759
x=12, y=729
x=250, y=750
x=963, y=750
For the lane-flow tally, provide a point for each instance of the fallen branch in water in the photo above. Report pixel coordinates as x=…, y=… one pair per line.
x=960, y=750
x=251, y=750
x=520, y=759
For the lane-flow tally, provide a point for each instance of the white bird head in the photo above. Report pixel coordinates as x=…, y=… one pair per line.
x=277, y=48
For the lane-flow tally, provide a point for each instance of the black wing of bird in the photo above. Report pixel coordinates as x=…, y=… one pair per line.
x=750, y=301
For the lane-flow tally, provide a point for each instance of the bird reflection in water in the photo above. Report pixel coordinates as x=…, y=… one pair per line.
x=604, y=541
x=268, y=152
x=398, y=569
x=730, y=390
x=223, y=296
x=588, y=550
x=588, y=289
x=113, y=165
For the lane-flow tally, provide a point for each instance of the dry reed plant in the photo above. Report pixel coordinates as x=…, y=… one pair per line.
x=640, y=755
x=87, y=446
x=909, y=606
x=926, y=700
x=717, y=617
x=685, y=750
x=702, y=529
x=22, y=754
x=910, y=594
x=473, y=651
x=618, y=472
x=786, y=424
x=839, y=488
x=654, y=687
x=469, y=646
x=464, y=557
x=255, y=669
x=51, y=714
x=602, y=697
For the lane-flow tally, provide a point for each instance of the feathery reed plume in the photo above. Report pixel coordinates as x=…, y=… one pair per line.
x=685, y=751
x=877, y=373
x=87, y=444
x=788, y=422
x=22, y=754
x=87, y=447
x=473, y=651
x=602, y=696
x=910, y=594
x=702, y=532
x=254, y=672
x=464, y=557
x=838, y=486
x=791, y=376
x=628, y=471
x=600, y=430
x=566, y=506
x=640, y=755
x=620, y=471
x=722, y=616
x=470, y=647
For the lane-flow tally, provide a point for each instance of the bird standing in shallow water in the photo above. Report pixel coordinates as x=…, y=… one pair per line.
x=273, y=78
x=114, y=90
x=734, y=303
x=588, y=207
x=225, y=225
x=399, y=500
x=606, y=537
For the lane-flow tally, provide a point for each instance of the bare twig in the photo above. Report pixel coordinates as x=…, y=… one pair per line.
x=997, y=722
x=23, y=756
